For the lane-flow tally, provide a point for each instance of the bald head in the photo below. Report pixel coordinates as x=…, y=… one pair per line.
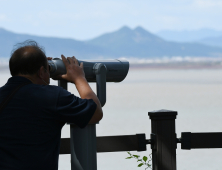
x=27, y=59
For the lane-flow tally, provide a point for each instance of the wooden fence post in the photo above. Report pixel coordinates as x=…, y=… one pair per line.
x=164, y=146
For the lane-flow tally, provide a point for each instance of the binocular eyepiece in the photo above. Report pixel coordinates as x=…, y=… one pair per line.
x=116, y=70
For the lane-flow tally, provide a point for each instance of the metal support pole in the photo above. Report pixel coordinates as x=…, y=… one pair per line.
x=63, y=84
x=164, y=148
x=84, y=141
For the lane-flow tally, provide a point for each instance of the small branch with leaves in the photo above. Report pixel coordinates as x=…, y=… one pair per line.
x=142, y=161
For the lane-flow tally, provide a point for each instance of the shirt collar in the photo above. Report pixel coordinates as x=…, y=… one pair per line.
x=18, y=79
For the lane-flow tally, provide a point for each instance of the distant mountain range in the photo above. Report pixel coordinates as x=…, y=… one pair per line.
x=192, y=36
x=213, y=41
x=124, y=42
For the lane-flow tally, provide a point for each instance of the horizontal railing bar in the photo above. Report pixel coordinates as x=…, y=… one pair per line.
x=65, y=146
x=121, y=143
x=112, y=143
x=201, y=140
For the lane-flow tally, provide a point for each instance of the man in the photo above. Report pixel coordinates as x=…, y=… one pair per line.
x=31, y=122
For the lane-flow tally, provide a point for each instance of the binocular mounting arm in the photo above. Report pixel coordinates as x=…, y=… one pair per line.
x=99, y=70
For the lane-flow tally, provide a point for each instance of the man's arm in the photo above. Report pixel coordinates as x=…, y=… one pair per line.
x=76, y=75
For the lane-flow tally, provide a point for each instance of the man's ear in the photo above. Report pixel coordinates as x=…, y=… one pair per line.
x=41, y=72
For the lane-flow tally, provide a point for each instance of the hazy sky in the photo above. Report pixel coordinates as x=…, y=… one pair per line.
x=85, y=19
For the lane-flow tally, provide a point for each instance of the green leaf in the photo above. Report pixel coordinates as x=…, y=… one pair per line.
x=137, y=156
x=129, y=157
x=145, y=158
x=141, y=164
x=139, y=160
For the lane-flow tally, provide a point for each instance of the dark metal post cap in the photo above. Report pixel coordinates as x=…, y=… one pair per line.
x=162, y=114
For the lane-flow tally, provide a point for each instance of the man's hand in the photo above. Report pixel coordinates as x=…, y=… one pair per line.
x=74, y=71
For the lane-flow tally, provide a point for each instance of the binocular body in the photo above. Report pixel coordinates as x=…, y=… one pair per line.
x=116, y=70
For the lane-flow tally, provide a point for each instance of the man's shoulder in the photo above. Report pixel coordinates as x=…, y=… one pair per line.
x=51, y=90
x=51, y=87
x=44, y=87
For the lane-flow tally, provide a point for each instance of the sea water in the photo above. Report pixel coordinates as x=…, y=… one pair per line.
x=195, y=94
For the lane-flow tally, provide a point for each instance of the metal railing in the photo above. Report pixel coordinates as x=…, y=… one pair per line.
x=163, y=141
x=112, y=143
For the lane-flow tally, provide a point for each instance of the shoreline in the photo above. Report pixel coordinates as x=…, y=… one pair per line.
x=176, y=66
x=4, y=68
x=162, y=66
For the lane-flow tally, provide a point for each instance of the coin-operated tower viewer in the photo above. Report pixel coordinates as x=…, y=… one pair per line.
x=83, y=141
